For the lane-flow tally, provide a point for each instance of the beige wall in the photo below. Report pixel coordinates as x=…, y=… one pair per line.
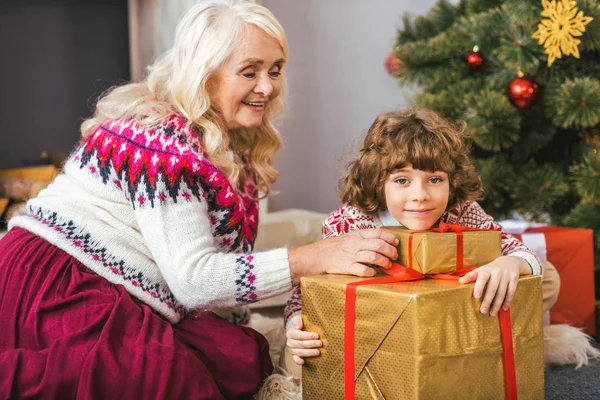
x=337, y=86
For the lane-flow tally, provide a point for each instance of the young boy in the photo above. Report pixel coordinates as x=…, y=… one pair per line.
x=414, y=171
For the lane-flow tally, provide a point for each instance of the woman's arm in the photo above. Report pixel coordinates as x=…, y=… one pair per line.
x=344, y=220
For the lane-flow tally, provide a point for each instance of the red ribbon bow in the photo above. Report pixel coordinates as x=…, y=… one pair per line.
x=444, y=227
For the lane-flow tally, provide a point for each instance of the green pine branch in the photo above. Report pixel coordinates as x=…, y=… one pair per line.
x=586, y=176
x=492, y=120
x=497, y=184
x=433, y=77
x=536, y=134
x=478, y=6
x=590, y=41
x=438, y=19
x=539, y=189
x=575, y=104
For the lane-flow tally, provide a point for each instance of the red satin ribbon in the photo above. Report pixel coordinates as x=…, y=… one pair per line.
x=442, y=228
x=398, y=273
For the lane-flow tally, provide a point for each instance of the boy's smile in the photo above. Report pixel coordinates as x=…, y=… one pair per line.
x=415, y=198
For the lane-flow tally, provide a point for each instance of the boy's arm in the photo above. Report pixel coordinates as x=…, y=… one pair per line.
x=472, y=215
x=293, y=307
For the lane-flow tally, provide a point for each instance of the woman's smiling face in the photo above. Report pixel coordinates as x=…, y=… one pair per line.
x=248, y=79
x=415, y=198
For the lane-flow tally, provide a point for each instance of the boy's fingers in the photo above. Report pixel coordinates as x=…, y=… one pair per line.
x=297, y=360
x=297, y=322
x=510, y=293
x=490, y=292
x=303, y=344
x=482, y=278
x=295, y=334
x=469, y=277
x=304, y=353
x=499, y=298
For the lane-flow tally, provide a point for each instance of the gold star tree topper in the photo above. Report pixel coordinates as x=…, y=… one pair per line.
x=563, y=22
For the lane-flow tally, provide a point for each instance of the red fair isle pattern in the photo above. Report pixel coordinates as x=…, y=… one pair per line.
x=140, y=157
x=154, y=167
x=346, y=219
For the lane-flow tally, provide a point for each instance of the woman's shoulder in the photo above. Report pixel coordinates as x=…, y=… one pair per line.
x=132, y=149
x=171, y=135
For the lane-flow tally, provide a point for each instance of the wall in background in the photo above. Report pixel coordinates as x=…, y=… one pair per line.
x=57, y=57
x=337, y=86
x=61, y=54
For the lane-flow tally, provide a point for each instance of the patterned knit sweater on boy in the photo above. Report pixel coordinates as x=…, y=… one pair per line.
x=144, y=208
x=348, y=218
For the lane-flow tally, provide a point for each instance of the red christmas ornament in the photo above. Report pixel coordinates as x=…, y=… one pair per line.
x=394, y=66
x=475, y=59
x=522, y=91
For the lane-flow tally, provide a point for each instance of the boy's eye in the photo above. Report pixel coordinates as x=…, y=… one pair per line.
x=436, y=179
x=402, y=181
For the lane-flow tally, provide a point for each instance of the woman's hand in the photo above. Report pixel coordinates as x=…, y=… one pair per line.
x=501, y=277
x=302, y=344
x=354, y=253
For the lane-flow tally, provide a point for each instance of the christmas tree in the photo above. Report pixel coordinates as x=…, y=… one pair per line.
x=525, y=76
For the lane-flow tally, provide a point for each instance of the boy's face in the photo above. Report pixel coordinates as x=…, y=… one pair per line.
x=417, y=199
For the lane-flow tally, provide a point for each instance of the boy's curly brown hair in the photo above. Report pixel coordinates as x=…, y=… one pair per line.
x=416, y=137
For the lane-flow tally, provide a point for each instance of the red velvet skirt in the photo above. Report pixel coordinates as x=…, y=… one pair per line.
x=67, y=333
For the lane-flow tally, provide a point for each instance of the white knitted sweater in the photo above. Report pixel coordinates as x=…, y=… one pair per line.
x=146, y=209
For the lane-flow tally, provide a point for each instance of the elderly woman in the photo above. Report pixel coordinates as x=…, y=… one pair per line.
x=105, y=284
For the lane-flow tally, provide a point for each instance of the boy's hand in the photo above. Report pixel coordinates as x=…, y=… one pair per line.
x=501, y=277
x=302, y=344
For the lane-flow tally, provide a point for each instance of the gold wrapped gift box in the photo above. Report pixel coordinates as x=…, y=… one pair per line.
x=422, y=339
x=436, y=252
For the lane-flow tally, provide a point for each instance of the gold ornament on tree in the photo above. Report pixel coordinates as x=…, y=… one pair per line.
x=563, y=22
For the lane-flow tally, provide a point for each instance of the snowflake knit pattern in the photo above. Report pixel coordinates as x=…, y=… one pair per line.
x=470, y=214
x=144, y=207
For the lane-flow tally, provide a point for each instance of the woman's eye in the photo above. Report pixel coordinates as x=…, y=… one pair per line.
x=249, y=75
x=275, y=74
